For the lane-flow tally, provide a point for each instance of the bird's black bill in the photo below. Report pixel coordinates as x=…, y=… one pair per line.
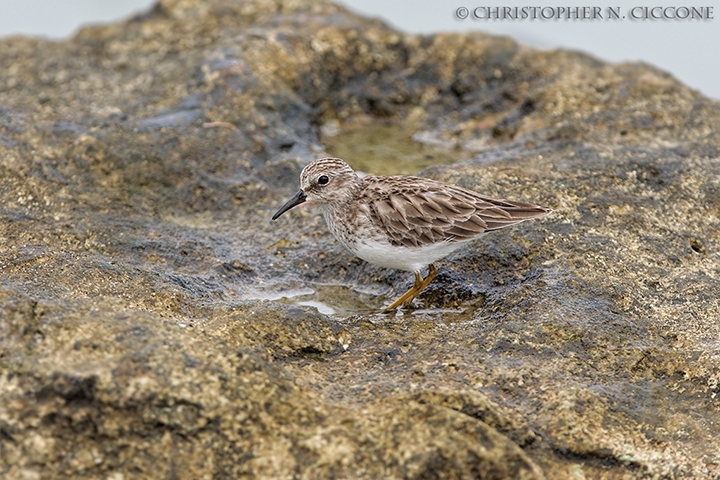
x=296, y=200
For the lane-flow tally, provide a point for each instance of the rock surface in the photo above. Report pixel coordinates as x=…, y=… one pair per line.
x=155, y=324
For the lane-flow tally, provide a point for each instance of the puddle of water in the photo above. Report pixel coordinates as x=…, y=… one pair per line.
x=386, y=147
x=341, y=301
x=320, y=306
x=274, y=295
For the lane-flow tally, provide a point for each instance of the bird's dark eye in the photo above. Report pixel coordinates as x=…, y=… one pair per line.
x=323, y=180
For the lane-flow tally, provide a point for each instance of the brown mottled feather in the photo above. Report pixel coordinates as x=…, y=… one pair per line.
x=418, y=211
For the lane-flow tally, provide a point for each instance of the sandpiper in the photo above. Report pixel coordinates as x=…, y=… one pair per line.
x=402, y=222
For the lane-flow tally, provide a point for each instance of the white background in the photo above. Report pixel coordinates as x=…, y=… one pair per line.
x=689, y=50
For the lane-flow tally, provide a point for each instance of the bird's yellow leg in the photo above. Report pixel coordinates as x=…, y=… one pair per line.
x=432, y=273
x=419, y=286
x=409, y=294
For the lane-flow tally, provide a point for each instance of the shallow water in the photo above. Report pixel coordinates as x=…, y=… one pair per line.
x=387, y=147
x=343, y=302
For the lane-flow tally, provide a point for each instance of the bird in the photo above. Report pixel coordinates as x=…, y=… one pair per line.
x=402, y=222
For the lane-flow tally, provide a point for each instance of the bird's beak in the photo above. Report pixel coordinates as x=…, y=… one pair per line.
x=296, y=200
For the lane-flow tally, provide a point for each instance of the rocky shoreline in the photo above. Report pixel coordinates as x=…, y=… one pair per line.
x=155, y=324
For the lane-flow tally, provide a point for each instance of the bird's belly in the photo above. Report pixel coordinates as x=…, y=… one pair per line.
x=412, y=259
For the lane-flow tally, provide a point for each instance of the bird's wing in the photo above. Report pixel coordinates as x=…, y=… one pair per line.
x=417, y=211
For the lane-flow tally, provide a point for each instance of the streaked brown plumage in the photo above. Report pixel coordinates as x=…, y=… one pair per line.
x=419, y=211
x=402, y=222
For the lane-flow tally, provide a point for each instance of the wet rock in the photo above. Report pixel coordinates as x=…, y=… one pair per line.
x=154, y=322
x=284, y=331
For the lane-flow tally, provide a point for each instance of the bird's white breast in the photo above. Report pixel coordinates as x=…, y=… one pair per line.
x=412, y=259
